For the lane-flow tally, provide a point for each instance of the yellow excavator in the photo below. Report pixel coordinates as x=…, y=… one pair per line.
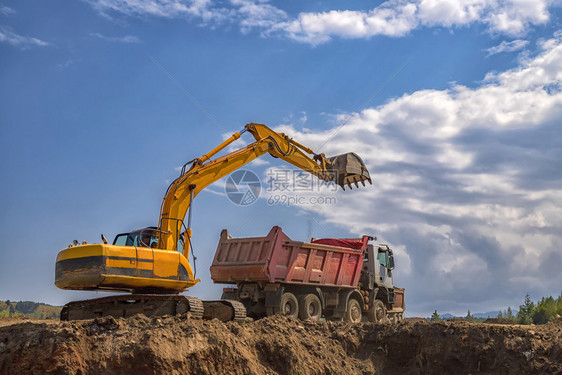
x=152, y=263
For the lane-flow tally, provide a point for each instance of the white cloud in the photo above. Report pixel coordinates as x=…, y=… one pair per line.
x=259, y=162
x=215, y=192
x=164, y=8
x=258, y=15
x=466, y=184
x=505, y=46
x=117, y=39
x=23, y=42
x=511, y=17
x=393, y=18
x=65, y=64
x=201, y=9
x=451, y=12
x=514, y=16
x=399, y=17
x=7, y=11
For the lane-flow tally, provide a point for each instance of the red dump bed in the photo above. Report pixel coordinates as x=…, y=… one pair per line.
x=275, y=258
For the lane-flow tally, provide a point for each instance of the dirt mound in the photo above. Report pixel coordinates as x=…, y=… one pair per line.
x=499, y=321
x=276, y=345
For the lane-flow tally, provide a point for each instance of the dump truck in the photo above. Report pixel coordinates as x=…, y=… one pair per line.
x=152, y=264
x=335, y=279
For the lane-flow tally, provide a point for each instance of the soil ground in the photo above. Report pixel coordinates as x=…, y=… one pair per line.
x=276, y=345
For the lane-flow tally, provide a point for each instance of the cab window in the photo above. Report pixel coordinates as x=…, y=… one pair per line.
x=383, y=259
x=147, y=238
x=123, y=239
x=142, y=238
x=180, y=244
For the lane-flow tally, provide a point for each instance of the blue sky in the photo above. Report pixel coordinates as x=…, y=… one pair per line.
x=455, y=106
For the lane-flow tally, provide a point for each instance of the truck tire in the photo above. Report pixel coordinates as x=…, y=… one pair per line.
x=289, y=305
x=310, y=307
x=377, y=312
x=353, y=311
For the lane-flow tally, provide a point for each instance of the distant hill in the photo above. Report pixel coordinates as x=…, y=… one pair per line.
x=29, y=309
x=489, y=314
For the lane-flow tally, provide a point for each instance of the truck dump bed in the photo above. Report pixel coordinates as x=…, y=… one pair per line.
x=275, y=258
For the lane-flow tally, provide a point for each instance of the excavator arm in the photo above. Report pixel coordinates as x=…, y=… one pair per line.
x=342, y=169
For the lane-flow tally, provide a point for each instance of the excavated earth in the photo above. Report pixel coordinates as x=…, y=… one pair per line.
x=276, y=345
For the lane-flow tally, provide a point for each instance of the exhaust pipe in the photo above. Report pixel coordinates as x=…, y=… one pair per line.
x=349, y=169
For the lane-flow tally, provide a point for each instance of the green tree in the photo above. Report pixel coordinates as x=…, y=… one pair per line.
x=435, y=317
x=500, y=315
x=559, y=304
x=469, y=317
x=26, y=307
x=544, y=311
x=524, y=316
x=509, y=314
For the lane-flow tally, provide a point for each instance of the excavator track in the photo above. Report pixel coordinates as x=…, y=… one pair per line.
x=239, y=310
x=124, y=306
x=131, y=304
x=224, y=310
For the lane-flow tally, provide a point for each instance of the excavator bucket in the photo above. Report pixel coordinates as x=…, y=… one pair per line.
x=349, y=169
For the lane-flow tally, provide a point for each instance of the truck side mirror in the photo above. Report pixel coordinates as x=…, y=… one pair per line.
x=391, y=262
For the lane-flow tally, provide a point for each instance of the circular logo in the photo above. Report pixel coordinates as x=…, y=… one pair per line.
x=243, y=187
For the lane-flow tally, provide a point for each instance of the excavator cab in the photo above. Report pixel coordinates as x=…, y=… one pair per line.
x=349, y=169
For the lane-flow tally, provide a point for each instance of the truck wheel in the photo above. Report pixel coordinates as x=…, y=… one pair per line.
x=377, y=312
x=353, y=312
x=310, y=307
x=289, y=305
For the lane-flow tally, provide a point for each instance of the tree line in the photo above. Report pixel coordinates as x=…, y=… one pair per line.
x=542, y=312
x=29, y=309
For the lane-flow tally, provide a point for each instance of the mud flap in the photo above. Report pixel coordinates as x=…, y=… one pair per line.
x=273, y=294
x=349, y=169
x=339, y=311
